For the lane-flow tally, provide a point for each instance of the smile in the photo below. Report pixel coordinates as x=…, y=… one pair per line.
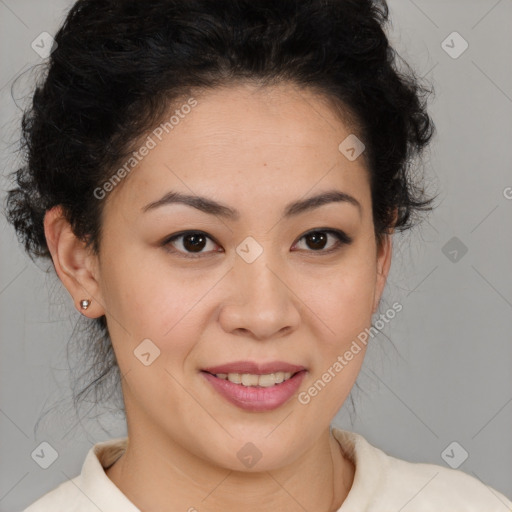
x=256, y=392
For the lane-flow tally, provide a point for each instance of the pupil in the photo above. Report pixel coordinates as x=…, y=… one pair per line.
x=316, y=237
x=196, y=241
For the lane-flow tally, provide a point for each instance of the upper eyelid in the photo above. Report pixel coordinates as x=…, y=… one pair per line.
x=185, y=233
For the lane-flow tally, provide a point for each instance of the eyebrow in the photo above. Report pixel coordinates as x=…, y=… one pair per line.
x=212, y=207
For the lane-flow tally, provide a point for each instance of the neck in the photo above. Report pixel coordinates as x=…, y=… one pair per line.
x=157, y=475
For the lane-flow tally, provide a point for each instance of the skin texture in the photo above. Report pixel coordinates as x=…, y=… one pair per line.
x=255, y=150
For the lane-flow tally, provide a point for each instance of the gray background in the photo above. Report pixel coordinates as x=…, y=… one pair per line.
x=449, y=378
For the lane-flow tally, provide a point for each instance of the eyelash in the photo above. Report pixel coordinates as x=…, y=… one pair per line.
x=342, y=240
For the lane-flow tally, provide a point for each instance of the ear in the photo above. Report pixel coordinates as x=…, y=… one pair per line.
x=384, y=253
x=76, y=266
x=383, y=265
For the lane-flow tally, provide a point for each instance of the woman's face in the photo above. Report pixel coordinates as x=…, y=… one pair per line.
x=259, y=283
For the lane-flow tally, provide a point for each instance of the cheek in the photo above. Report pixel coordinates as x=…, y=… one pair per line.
x=344, y=306
x=343, y=298
x=146, y=299
x=352, y=302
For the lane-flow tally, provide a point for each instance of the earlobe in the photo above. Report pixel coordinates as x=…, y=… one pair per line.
x=74, y=263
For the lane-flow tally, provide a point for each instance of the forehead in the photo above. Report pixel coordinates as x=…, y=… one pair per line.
x=243, y=141
x=242, y=120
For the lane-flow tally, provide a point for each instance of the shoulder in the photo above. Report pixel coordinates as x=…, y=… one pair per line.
x=91, y=490
x=67, y=496
x=430, y=487
x=384, y=483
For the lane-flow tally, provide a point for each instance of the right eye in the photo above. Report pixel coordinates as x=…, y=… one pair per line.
x=192, y=242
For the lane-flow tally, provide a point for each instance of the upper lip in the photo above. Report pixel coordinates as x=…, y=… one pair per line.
x=255, y=368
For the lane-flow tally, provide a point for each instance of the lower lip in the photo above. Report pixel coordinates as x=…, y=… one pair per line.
x=252, y=398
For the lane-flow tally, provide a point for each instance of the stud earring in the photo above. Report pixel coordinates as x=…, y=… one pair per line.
x=84, y=304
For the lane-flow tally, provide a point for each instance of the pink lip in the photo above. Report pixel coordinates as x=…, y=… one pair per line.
x=255, y=398
x=255, y=368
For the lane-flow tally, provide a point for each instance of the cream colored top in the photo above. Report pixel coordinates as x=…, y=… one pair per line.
x=381, y=484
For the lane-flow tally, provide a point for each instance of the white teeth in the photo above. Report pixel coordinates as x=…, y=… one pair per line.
x=279, y=376
x=249, y=379
x=234, y=377
x=266, y=381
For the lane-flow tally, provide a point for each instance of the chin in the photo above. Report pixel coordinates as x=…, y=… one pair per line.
x=256, y=450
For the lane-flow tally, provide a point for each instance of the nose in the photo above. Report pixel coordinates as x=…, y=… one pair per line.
x=262, y=304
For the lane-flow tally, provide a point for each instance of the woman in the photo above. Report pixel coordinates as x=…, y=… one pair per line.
x=217, y=184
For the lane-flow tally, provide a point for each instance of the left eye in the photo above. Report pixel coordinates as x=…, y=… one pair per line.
x=193, y=242
x=318, y=238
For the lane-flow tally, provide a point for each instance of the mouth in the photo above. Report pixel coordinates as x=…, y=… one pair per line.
x=255, y=387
